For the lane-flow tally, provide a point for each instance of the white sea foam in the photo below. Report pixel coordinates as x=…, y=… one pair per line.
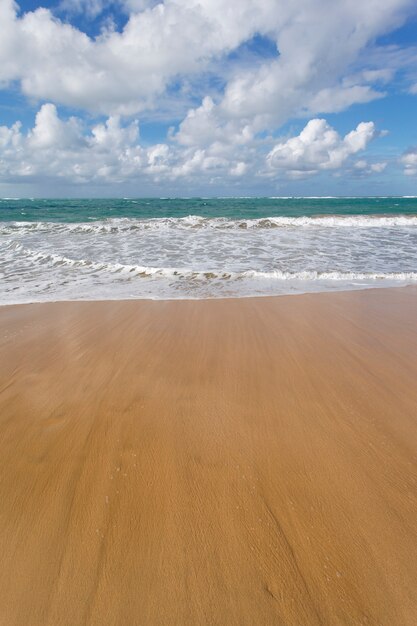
x=198, y=257
x=113, y=225
x=208, y=274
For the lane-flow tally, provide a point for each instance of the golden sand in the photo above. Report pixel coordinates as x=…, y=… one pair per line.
x=248, y=462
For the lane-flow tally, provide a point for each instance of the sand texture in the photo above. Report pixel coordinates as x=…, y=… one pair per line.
x=243, y=462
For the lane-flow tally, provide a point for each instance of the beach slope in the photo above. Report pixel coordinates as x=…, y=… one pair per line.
x=238, y=462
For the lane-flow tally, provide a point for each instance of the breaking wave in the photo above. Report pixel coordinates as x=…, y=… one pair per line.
x=56, y=260
x=195, y=222
x=203, y=257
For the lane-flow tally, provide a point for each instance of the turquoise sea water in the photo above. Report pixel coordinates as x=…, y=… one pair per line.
x=203, y=248
x=232, y=208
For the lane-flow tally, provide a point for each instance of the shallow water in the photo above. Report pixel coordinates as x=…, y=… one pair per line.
x=160, y=248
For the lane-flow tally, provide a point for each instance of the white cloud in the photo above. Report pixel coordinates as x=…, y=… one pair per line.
x=319, y=147
x=172, y=61
x=378, y=167
x=201, y=127
x=49, y=131
x=319, y=41
x=409, y=161
x=364, y=168
x=335, y=99
x=111, y=152
x=57, y=148
x=120, y=72
x=239, y=169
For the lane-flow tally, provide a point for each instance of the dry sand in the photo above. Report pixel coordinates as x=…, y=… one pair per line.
x=241, y=462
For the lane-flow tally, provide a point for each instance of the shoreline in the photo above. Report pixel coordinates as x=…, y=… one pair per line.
x=237, y=460
x=409, y=286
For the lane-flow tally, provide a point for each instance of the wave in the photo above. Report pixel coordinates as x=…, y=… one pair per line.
x=195, y=222
x=180, y=272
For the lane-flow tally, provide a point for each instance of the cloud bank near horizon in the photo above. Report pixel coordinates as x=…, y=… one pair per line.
x=112, y=152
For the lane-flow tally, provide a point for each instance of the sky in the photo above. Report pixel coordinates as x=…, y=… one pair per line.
x=103, y=98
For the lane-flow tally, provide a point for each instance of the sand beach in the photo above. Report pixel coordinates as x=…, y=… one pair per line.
x=244, y=461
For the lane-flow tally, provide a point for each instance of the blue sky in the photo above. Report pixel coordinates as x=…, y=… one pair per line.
x=184, y=97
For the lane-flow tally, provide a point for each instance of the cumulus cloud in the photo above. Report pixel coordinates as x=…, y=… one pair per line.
x=319, y=147
x=126, y=72
x=109, y=152
x=112, y=152
x=49, y=131
x=120, y=72
x=201, y=127
x=363, y=167
x=409, y=161
x=58, y=148
x=312, y=73
x=182, y=61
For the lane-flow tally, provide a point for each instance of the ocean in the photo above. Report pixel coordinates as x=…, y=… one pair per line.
x=185, y=248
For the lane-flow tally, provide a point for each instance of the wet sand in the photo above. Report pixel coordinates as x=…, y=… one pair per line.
x=248, y=462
